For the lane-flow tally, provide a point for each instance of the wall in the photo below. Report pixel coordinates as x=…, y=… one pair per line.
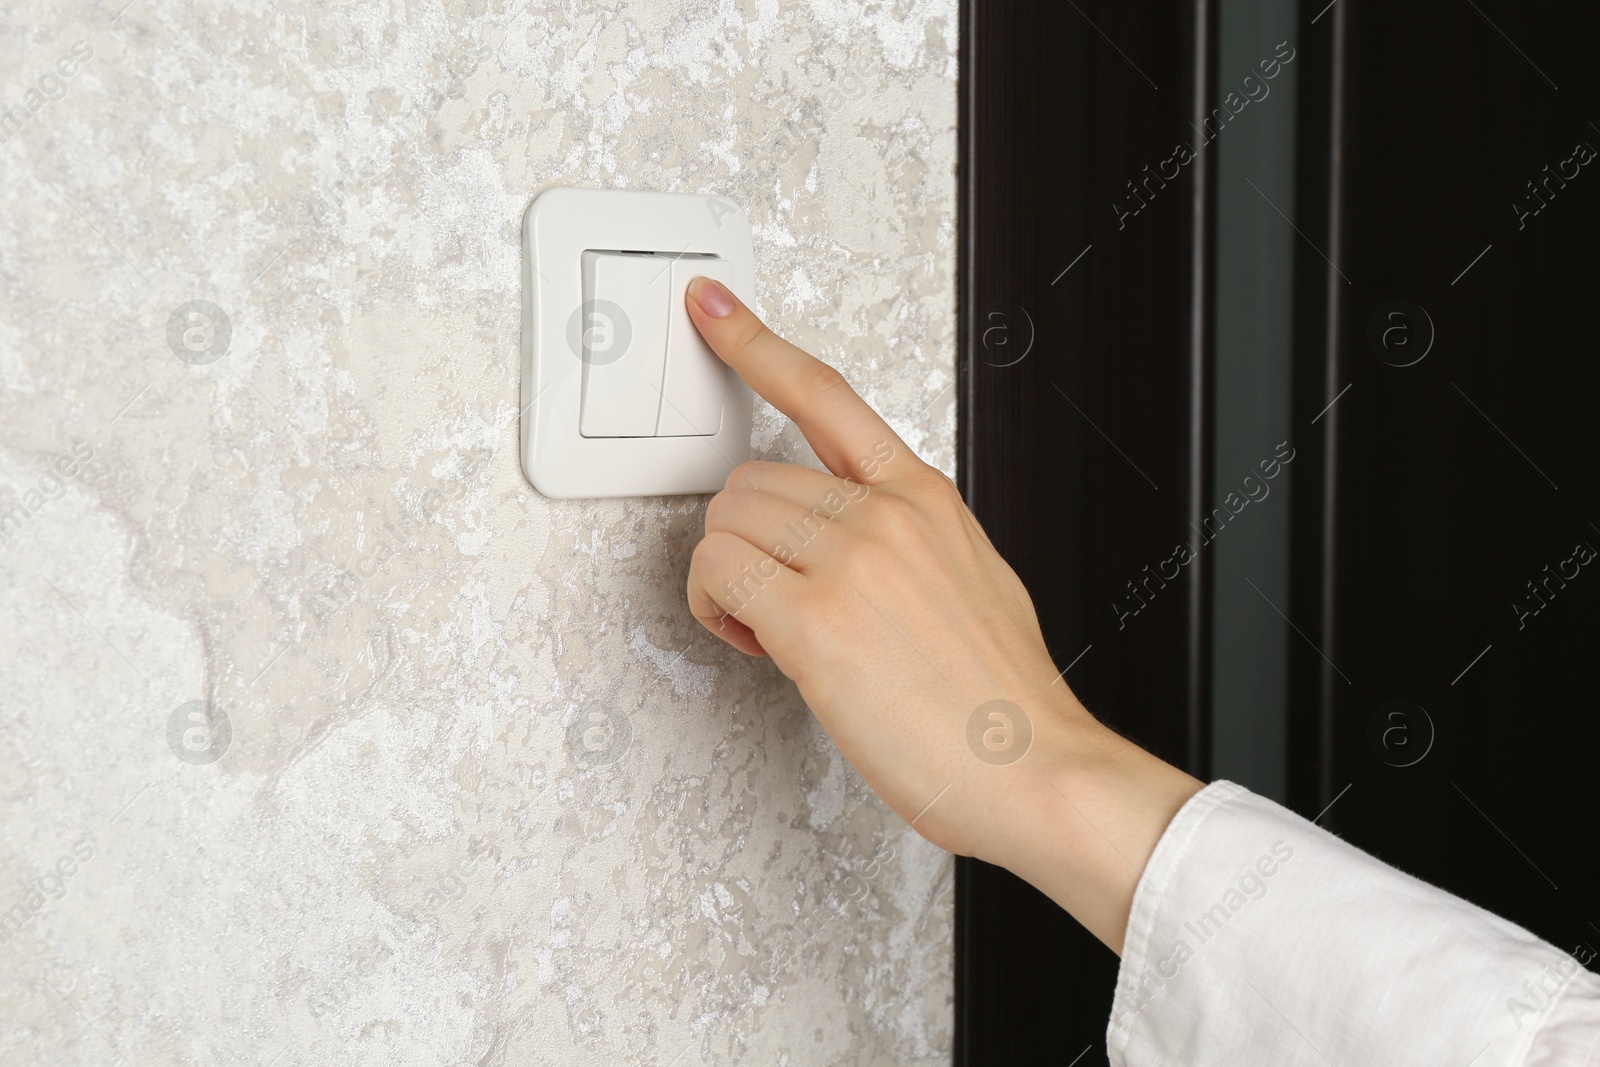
x=327, y=739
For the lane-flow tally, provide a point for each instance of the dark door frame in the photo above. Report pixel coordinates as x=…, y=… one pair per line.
x=1084, y=306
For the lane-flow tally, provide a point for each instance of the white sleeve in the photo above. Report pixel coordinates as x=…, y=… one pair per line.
x=1259, y=940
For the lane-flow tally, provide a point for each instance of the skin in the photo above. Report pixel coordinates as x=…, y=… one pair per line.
x=875, y=590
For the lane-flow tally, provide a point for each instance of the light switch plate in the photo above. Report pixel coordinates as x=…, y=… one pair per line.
x=559, y=227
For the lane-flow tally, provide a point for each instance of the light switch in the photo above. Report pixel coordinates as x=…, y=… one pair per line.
x=620, y=397
x=696, y=380
x=623, y=340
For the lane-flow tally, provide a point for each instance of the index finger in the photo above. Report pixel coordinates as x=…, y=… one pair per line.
x=850, y=438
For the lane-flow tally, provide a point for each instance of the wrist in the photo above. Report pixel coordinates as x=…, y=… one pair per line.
x=1086, y=813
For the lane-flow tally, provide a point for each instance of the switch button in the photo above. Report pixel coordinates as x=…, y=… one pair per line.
x=621, y=336
x=697, y=381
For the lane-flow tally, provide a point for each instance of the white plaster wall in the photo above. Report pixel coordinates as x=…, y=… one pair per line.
x=489, y=795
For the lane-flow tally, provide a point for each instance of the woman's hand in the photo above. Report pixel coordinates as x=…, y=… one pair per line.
x=915, y=645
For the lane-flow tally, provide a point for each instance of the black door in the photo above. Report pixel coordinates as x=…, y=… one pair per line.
x=1383, y=262
x=1443, y=697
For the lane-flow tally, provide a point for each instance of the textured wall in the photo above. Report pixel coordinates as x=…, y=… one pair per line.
x=326, y=738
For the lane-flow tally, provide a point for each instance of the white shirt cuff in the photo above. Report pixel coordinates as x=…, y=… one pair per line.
x=1259, y=938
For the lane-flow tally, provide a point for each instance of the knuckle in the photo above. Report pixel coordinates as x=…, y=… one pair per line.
x=720, y=509
x=699, y=559
x=710, y=568
x=823, y=382
x=933, y=490
x=747, y=333
x=947, y=496
x=894, y=518
x=931, y=483
x=710, y=554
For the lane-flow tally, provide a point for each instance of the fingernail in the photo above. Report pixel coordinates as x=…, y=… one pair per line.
x=713, y=299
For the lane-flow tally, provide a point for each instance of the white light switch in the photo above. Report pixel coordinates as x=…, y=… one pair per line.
x=620, y=396
x=696, y=380
x=623, y=338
